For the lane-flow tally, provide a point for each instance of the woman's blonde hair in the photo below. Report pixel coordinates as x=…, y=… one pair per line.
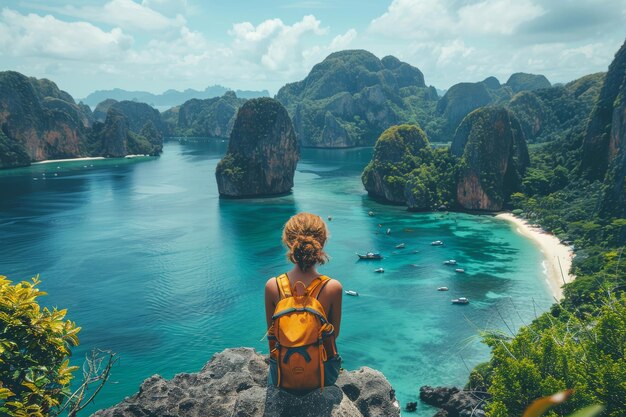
x=305, y=235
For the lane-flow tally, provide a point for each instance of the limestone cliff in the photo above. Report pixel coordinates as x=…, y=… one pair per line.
x=493, y=155
x=460, y=100
x=600, y=143
x=615, y=180
x=262, y=152
x=212, y=117
x=385, y=176
x=234, y=383
x=39, y=120
x=351, y=97
x=143, y=120
x=115, y=139
x=527, y=82
x=100, y=112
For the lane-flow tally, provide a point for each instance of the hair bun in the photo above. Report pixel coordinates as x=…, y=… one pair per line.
x=305, y=235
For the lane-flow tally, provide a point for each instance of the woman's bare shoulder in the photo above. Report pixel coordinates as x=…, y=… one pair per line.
x=270, y=286
x=334, y=286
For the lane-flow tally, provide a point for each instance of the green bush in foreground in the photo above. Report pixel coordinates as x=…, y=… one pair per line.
x=35, y=345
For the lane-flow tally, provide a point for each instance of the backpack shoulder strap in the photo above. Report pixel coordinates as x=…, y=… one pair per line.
x=284, y=288
x=317, y=285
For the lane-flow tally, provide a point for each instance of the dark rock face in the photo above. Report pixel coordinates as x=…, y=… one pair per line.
x=363, y=94
x=460, y=100
x=145, y=121
x=614, y=202
x=453, y=402
x=212, y=117
x=234, y=383
x=38, y=119
x=381, y=177
x=596, y=147
x=493, y=155
x=115, y=139
x=556, y=112
x=527, y=82
x=262, y=153
x=100, y=112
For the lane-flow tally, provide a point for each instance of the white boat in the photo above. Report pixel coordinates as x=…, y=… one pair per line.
x=400, y=246
x=388, y=231
x=370, y=255
x=442, y=289
x=460, y=270
x=371, y=213
x=437, y=243
x=330, y=218
x=353, y=293
x=449, y=262
x=379, y=270
x=460, y=300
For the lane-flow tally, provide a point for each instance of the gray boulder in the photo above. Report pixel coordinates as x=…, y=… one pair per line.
x=234, y=383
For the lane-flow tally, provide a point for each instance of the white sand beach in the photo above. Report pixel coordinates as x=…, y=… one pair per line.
x=558, y=257
x=49, y=161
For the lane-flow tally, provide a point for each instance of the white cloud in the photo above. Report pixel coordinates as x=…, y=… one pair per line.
x=497, y=16
x=414, y=19
x=127, y=14
x=452, y=50
x=46, y=36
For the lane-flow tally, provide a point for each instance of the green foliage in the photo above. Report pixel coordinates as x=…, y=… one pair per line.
x=584, y=354
x=34, y=348
x=12, y=154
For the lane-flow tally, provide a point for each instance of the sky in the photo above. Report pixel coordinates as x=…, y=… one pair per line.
x=156, y=45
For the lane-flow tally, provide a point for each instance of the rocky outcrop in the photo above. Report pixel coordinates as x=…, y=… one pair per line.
x=554, y=113
x=100, y=112
x=140, y=117
x=115, y=139
x=460, y=100
x=262, y=153
x=385, y=177
x=521, y=81
x=454, y=402
x=614, y=202
x=596, y=146
x=212, y=117
x=234, y=383
x=493, y=155
x=38, y=119
x=363, y=94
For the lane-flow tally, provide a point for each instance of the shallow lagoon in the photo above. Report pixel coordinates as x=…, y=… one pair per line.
x=154, y=266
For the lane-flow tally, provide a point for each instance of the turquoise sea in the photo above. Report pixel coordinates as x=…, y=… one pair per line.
x=154, y=266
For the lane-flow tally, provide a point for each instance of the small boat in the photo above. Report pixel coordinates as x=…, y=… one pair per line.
x=330, y=218
x=379, y=270
x=460, y=300
x=400, y=246
x=370, y=255
x=436, y=243
x=442, y=289
x=460, y=270
x=371, y=213
x=449, y=262
x=388, y=231
x=352, y=293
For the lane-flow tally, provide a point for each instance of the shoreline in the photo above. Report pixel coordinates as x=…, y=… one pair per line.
x=557, y=256
x=88, y=158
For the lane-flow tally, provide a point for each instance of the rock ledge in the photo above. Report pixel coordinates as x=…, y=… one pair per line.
x=233, y=383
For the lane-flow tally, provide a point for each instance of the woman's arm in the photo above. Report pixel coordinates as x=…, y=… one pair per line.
x=271, y=295
x=334, y=291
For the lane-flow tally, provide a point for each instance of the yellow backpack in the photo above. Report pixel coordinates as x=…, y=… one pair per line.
x=303, y=354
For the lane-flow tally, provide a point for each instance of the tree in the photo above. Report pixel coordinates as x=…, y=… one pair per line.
x=35, y=345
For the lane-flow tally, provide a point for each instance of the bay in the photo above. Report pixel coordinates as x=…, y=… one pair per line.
x=153, y=265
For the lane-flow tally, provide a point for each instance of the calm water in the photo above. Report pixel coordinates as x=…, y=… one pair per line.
x=154, y=266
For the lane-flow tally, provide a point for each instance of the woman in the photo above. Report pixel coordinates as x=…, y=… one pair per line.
x=303, y=311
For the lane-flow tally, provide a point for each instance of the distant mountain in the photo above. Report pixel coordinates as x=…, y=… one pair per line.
x=351, y=97
x=170, y=98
